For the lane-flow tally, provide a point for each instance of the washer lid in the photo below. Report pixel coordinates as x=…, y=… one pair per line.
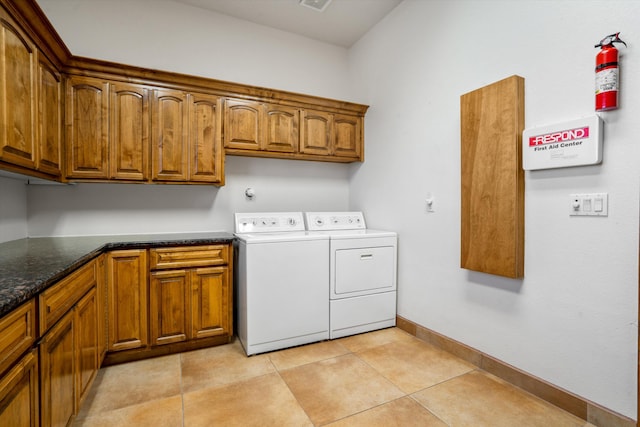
x=290, y=236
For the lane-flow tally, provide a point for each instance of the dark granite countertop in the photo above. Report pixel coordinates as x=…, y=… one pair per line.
x=29, y=266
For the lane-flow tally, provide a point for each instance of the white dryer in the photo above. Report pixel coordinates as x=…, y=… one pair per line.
x=282, y=282
x=362, y=272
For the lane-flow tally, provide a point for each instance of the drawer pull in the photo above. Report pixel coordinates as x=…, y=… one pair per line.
x=366, y=256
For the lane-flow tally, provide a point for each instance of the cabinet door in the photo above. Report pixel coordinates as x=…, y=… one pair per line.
x=127, y=295
x=168, y=306
x=169, y=129
x=282, y=129
x=101, y=291
x=57, y=375
x=19, y=396
x=205, y=139
x=242, y=124
x=17, y=97
x=49, y=118
x=129, y=118
x=211, y=302
x=316, y=133
x=86, y=321
x=87, y=128
x=347, y=136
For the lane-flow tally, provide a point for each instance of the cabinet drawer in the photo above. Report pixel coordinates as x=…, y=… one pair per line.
x=56, y=301
x=188, y=256
x=17, y=333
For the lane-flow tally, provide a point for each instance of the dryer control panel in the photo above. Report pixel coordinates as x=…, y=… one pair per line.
x=269, y=222
x=320, y=221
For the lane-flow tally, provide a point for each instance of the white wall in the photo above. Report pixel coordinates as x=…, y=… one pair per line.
x=280, y=185
x=174, y=37
x=573, y=319
x=13, y=209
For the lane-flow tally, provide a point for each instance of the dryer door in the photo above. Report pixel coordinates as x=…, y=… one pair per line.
x=366, y=270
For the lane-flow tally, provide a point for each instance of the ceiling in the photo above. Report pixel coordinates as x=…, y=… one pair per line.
x=342, y=23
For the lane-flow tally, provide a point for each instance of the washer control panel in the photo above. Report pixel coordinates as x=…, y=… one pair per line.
x=318, y=221
x=269, y=222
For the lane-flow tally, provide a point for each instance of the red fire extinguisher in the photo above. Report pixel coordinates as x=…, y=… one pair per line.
x=607, y=73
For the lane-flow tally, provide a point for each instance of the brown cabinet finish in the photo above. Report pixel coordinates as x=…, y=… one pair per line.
x=282, y=129
x=127, y=294
x=18, y=95
x=316, y=133
x=492, y=193
x=206, y=157
x=49, y=118
x=243, y=124
x=129, y=120
x=87, y=128
x=17, y=333
x=347, y=136
x=211, y=302
x=57, y=300
x=57, y=373
x=190, y=293
x=188, y=256
x=19, y=393
x=169, y=136
x=168, y=306
x=101, y=295
x=86, y=345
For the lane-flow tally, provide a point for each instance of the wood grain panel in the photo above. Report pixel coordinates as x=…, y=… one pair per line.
x=188, y=256
x=87, y=128
x=282, y=129
x=168, y=306
x=17, y=97
x=170, y=129
x=348, y=136
x=211, y=302
x=17, y=333
x=49, y=118
x=19, y=393
x=242, y=124
x=316, y=133
x=492, y=234
x=129, y=119
x=206, y=162
x=127, y=299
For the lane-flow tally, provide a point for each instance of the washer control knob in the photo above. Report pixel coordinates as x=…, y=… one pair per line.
x=292, y=221
x=319, y=221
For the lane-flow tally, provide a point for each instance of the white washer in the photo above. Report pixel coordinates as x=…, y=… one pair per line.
x=282, y=279
x=362, y=272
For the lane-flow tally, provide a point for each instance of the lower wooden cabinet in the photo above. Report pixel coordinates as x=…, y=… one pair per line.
x=19, y=393
x=57, y=373
x=127, y=299
x=86, y=345
x=189, y=304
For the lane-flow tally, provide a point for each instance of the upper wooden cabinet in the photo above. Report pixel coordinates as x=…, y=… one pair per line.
x=129, y=131
x=87, y=128
x=49, y=156
x=30, y=105
x=70, y=118
x=270, y=130
x=186, y=137
x=18, y=97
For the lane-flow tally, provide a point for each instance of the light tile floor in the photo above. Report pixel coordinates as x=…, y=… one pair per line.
x=382, y=378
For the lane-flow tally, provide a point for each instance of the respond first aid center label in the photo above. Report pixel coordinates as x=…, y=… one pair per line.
x=573, y=143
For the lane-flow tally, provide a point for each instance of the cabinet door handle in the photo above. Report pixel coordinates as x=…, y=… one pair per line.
x=366, y=256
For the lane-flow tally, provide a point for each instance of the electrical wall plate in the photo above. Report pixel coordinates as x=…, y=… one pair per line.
x=590, y=204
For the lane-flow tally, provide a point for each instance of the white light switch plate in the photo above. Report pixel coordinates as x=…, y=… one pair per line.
x=590, y=204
